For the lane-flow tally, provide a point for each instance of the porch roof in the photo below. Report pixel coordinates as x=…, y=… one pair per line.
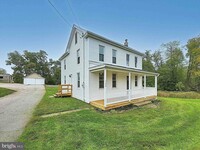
x=101, y=67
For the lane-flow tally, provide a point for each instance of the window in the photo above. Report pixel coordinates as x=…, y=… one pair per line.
x=142, y=81
x=101, y=80
x=76, y=39
x=127, y=59
x=64, y=79
x=101, y=53
x=127, y=82
x=65, y=64
x=78, y=56
x=136, y=60
x=136, y=81
x=78, y=80
x=114, y=55
x=114, y=81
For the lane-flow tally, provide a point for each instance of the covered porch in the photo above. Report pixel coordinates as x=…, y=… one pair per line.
x=131, y=86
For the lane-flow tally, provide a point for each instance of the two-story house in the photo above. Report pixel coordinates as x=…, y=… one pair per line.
x=104, y=71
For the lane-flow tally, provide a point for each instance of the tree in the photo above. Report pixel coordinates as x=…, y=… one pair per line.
x=157, y=59
x=16, y=59
x=2, y=71
x=172, y=71
x=193, y=73
x=147, y=65
x=33, y=62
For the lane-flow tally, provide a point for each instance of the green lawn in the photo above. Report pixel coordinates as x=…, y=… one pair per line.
x=175, y=124
x=4, y=91
x=50, y=105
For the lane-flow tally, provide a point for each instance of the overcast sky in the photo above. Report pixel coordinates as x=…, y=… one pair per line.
x=35, y=25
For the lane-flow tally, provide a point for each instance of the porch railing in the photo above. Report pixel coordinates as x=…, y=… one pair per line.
x=116, y=97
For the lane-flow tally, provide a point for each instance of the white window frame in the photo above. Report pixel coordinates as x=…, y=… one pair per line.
x=101, y=53
x=78, y=80
x=78, y=56
x=127, y=59
x=114, y=56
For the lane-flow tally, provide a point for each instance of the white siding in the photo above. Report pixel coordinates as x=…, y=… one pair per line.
x=72, y=68
x=121, y=54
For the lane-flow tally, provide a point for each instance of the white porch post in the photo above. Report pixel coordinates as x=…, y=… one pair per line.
x=129, y=90
x=105, y=86
x=145, y=80
x=156, y=84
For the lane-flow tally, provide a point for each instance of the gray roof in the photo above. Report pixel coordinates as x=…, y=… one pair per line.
x=34, y=76
x=122, y=68
x=86, y=34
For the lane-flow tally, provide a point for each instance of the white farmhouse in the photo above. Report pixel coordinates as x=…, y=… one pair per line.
x=103, y=72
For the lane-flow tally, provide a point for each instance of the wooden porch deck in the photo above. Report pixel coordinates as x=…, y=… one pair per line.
x=136, y=102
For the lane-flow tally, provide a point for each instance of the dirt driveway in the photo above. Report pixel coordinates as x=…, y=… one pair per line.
x=16, y=109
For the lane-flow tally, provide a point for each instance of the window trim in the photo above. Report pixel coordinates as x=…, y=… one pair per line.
x=114, y=81
x=136, y=61
x=127, y=59
x=136, y=81
x=78, y=80
x=101, y=55
x=114, y=61
x=101, y=80
x=65, y=66
x=65, y=79
x=78, y=56
x=76, y=37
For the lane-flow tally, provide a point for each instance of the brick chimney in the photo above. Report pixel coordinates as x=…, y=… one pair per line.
x=126, y=42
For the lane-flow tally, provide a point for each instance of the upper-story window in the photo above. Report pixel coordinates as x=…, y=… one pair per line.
x=78, y=56
x=114, y=56
x=76, y=37
x=65, y=64
x=101, y=53
x=136, y=61
x=127, y=59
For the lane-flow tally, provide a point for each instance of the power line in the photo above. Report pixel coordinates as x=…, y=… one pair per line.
x=59, y=13
x=76, y=18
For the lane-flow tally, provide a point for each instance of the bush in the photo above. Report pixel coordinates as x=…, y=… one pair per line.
x=180, y=86
x=192, y=95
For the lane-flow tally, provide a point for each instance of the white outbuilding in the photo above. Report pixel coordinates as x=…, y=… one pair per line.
x=34, y=79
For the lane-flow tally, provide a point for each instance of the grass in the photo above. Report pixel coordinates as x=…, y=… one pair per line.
x=176, y=94
x=175, y=124
x=51, y=105
x=4, y=92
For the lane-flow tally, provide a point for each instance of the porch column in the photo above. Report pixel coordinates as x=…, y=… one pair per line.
x=145, y=81
x=156, y=84
x=129, y=85
x=105, y=86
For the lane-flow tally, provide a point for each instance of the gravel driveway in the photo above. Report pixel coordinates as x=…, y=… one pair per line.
x=16, y=109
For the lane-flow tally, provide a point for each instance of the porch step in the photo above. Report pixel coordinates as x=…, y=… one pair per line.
x=116, y=105
x=142, y=103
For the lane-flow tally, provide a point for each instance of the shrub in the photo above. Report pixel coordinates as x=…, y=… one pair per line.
x=193, y=95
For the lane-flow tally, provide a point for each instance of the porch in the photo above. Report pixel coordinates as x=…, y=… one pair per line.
x=130, y=88
x=137, y=102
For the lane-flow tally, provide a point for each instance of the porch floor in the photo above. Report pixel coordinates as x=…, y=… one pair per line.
x=136, y=102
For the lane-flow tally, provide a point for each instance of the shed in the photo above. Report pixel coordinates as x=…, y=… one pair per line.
x=34, y=79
